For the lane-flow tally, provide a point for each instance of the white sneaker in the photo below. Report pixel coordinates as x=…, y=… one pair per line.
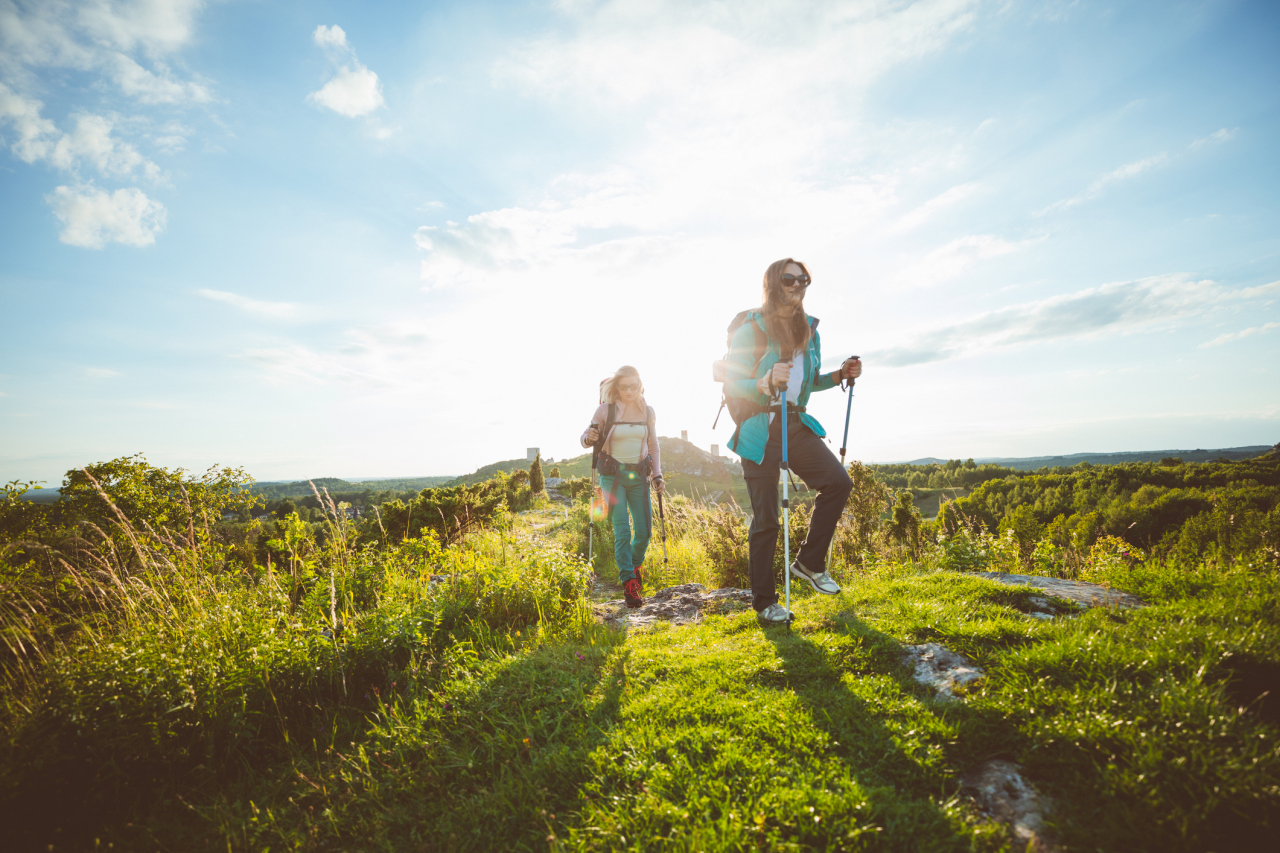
x=820, y=581
x=775, y=614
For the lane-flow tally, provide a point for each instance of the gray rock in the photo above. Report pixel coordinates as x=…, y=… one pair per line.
x=1084, y=594
x=1001, y=791
x=684, y=604
x=941, y=668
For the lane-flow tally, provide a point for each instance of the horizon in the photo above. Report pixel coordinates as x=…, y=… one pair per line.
x=296, y=236
x=980, y=460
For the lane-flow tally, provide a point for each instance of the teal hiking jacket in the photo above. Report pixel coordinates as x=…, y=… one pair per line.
x=753, y=434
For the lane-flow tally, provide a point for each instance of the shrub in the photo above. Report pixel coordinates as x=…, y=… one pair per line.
x=859, y=529
x=536, y=481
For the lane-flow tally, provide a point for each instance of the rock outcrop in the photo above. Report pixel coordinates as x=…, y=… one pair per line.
x=679, y=605
x=1084, y=594
x=940, y=668
x=1000, y=790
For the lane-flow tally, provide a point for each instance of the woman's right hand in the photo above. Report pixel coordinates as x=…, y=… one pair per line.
x=780, y=375
x=593, y=435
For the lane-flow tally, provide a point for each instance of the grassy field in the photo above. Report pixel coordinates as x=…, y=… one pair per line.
x=417, y=698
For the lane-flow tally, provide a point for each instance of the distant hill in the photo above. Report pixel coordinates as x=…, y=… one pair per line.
x=274, y=491
x=482, y=474
x=402, y=484
x=277, y=490
x=1031, y=463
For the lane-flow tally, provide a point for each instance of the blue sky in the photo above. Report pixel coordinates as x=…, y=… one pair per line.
x=389, y=240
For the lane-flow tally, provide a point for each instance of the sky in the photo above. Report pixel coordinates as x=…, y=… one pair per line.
x=407, y=239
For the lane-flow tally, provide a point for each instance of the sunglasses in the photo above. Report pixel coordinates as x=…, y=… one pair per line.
x=629, y=387
x=790, y=280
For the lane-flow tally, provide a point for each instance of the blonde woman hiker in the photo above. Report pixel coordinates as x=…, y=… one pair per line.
x=623, y=435
x=772, y=346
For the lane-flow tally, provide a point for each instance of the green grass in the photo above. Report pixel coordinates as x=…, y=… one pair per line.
x=491, y=714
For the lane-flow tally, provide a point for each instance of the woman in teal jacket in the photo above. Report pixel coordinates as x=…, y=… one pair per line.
x=791, y=355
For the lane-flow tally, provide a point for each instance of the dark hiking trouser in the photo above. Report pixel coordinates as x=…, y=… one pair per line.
x=815, y=464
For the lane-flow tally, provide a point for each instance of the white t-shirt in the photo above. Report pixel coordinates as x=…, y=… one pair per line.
x=796, y=380
x=627, y=442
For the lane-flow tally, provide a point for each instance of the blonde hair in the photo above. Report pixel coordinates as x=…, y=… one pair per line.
x=609, y=386
x=789, y=327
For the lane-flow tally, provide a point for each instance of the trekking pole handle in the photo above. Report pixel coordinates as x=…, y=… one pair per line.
x=782, y=386
x=842, y=364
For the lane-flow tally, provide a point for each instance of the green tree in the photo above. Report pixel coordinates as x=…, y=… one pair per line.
x=554, y=472
x=286, y=507
x=859, y=528
x=905, y=526
x=536, y=482
x=151, y=496
x=1026, y=529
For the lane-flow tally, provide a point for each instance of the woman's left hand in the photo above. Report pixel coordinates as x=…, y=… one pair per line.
x=851, y=369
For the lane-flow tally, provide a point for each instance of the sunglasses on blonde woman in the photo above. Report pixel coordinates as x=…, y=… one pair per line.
x=630, y=386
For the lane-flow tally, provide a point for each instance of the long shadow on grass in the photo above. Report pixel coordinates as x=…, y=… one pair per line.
x=906, y=773
x=484, y=765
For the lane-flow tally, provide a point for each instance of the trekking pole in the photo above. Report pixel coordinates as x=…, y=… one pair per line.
x=847, y=409
x=662, y=520
x=591, y=496
x=786, y=511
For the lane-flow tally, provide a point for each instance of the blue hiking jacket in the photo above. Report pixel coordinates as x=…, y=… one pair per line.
x=753, y=434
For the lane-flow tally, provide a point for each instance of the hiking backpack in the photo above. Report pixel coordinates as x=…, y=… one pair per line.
x=739, y=409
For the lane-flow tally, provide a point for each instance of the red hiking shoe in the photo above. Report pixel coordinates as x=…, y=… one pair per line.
x=631, y=591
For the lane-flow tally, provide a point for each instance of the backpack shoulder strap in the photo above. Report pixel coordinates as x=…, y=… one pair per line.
x=761, y=341
x=609, y=422
x=598, y=447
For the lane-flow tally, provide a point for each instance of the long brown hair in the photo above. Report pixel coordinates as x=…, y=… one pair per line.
x=609, y=386
x=788, y=326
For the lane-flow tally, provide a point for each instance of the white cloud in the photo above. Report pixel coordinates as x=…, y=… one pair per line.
x=100, y=372
x=334, y=36
x=36, y=135
x=1095, y=189
x=362, y=361
x=956, y=257
x=1222, y=135
x=128, y=43
x=88, y=142
x=1240, y=335
x=149, y=87
x=257, y=307
x=91, y=217
x=103, y=36
x=934, y=206
x=749, y=132
x=354, y=90
x=1116, y=308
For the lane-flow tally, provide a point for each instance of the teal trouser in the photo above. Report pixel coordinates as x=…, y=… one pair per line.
x=626, y=490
